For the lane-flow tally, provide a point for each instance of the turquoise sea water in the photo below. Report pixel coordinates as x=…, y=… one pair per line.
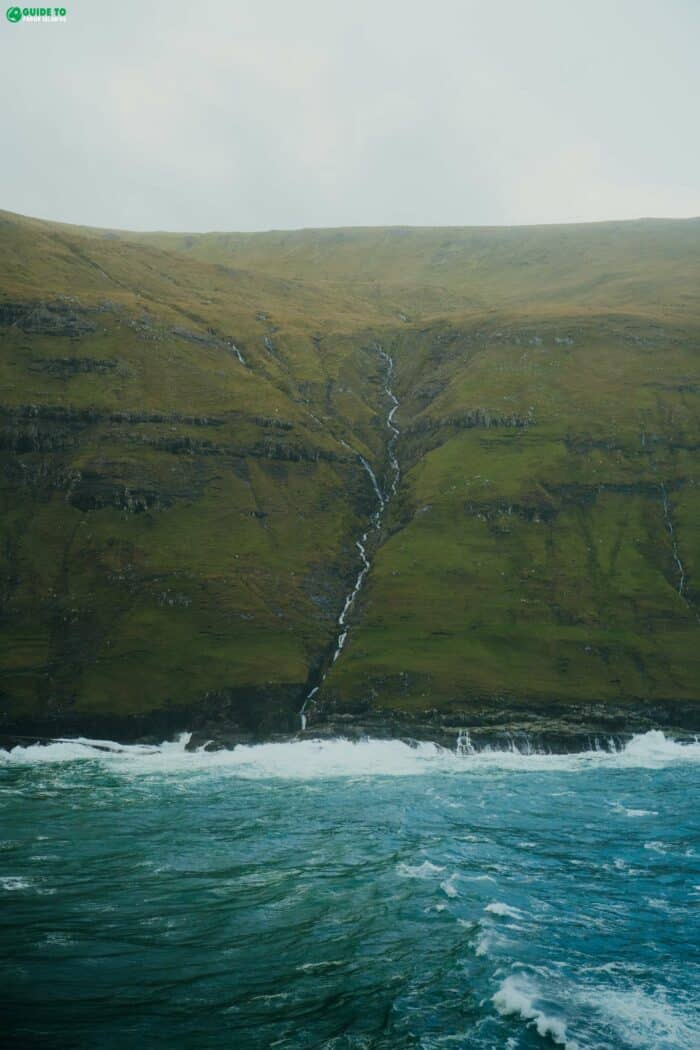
x=347, y=895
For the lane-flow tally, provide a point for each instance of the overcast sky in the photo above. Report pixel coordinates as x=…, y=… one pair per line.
x=258, y=114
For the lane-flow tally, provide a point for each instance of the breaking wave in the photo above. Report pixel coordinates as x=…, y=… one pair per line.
x=636, y=1017
x=313, y=759
x=517, y=995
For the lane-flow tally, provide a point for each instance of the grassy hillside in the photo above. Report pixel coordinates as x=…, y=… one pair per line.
x=545, y=545
x=176, y=523
x=648, y=267
x=180, y=505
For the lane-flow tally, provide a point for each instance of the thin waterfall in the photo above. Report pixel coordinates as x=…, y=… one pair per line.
x=674, y=545
x=377, y=517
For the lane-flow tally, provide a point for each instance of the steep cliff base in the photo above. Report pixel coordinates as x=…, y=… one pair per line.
x=224, y=722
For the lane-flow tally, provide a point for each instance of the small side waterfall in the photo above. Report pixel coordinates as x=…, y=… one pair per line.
x=394, y=430
x=464, y=744
x=237, y=352
x=376, y=524
x=674, y=545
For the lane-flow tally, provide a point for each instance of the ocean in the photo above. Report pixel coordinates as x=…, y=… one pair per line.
x=350, y=895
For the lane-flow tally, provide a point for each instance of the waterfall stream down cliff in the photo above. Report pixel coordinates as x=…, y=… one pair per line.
x=383, y=498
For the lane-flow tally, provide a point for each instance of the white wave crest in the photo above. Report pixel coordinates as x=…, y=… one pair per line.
x=11, y=883
x=518, y=996
x=485, y=942
x=318, y=759
x=617, y=807
x=426, y=870
x=448, y=886
x=504, y=910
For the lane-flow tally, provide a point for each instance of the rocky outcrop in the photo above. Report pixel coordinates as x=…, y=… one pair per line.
x=58, y=317
x=92, y=491
x=87, y=416
x=294, y=453
x=270, y=421
x=476, y=417
x=34, y=438
x=527, y=725
x=202, y=338
x=67, y=367
x=231, y=717
x=224, y=717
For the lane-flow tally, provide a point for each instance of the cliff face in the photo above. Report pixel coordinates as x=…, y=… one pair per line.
x=181, y=427
x=543, y=551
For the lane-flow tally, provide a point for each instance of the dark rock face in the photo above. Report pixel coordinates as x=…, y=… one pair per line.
x=56, y=428
x=46, y=318
x=293, y=453
x=224, y=718
x=270, y=421
x=477, y=417
x=182, y=446
x=209, y=339
x=254, y=715
x=36, y=428
x=92, y=491
x=204, y=339
x=528, y=726
x=32, y=438
x=67, y=367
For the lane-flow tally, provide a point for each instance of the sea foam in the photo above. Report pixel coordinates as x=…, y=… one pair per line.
x=319, y=759
x=645, y=1020
x=517, y=995
x=426, y=870
x=504, y=910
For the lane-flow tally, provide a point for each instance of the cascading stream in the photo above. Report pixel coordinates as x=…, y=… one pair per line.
x=377, y=517
x=674, y=545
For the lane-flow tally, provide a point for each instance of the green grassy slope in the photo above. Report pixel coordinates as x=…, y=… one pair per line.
x=175, y=524
x=178, y=527
x=649, y=265
x=529, y=556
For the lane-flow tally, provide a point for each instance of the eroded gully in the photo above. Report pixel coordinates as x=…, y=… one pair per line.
x=384, y=496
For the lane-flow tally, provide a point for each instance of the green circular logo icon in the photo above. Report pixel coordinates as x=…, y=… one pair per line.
x=14, y=14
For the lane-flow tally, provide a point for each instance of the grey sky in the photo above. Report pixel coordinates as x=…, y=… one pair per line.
x=236, y=115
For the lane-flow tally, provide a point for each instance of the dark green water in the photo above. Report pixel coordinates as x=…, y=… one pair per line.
x=350, y=896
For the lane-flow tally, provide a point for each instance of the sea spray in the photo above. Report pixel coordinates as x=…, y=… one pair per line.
x=339, y=757
x=517, y=996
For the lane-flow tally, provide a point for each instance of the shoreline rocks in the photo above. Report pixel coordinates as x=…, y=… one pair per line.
x=524, y=732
